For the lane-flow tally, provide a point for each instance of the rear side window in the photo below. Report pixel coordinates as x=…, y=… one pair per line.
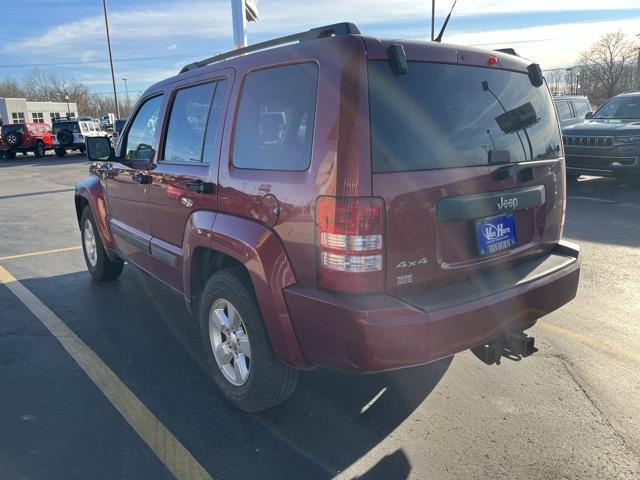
x=274, y=126
x=580, y=108
x=71, y=126
x=564, y=110
x=444, y=116
x=188, y=124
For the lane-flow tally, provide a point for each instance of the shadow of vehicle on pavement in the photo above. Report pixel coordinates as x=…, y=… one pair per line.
x=48, y=160
x=143, y=332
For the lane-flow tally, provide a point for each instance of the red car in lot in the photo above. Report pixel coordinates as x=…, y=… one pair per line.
x=340, y=201
x=25, y=137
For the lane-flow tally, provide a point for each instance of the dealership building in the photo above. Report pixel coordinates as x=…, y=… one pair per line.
x=18, y=110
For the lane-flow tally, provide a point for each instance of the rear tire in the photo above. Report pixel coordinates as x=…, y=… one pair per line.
x=10, y=154
x=39, y=150
x=60, y=152
x=268, y=381
x=100, y=266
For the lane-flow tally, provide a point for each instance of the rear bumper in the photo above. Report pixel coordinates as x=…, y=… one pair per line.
x=380, y=332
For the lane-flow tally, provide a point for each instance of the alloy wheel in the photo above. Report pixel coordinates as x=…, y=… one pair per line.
x=90, y=247
x=229, y=342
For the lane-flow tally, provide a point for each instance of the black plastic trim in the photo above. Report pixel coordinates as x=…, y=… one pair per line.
x=163, y=255
x=469, y=207
x=138, y=242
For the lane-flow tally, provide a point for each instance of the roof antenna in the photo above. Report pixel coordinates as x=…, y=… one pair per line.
x=446, y=21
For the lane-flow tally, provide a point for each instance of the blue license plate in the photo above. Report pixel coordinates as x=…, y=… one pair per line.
x=495, y=233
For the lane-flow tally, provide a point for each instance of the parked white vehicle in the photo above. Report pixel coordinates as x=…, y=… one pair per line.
x=71, y=135
x=107, y=121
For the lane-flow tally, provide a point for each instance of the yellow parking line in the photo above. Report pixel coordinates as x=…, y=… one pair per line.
x=588, y=341
x=43, y=252
x=159, y=439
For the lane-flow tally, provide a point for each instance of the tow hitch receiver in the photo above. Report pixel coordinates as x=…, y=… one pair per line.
x=514, y=346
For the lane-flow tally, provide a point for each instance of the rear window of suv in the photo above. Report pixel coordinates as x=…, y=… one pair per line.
x=72, y=126
x=12, y=128
x=444, y=116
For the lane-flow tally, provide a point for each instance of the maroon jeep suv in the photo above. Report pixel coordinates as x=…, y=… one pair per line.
x=330, y=199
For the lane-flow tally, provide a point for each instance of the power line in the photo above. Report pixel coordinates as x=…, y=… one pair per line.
x=96, y=62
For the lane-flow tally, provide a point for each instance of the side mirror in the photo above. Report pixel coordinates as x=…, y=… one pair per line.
x=588, y=115
x=99, y=149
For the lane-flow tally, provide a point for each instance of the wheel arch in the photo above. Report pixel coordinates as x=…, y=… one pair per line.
x=218, y=241
x=89, y=192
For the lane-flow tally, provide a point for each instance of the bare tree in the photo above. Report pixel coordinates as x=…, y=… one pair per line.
x=605, y=68
x=41, y=85
x=9, y=88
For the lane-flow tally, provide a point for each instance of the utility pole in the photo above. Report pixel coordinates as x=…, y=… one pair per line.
x=126, y=90
x=433, y=19
x=113, y=75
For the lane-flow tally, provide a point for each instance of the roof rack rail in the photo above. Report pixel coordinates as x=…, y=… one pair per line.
x=344, y=28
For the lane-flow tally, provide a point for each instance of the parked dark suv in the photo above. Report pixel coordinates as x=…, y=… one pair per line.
x=607, y=142
x=340, y=201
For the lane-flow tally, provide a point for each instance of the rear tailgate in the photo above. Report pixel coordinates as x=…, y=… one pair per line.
x=469, y=162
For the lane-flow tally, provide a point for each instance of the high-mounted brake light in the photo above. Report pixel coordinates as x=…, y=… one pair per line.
x=349, y=237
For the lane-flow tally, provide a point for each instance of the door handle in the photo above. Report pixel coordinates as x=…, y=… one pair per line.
x=104, y=168
x=200, y=187
x=141, y=178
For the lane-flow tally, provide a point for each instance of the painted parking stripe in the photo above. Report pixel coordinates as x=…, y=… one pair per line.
x=42, y=252
x=588, y=341
x=159, y=439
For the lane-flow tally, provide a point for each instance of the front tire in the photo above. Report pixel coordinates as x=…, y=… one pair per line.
x=39, y=150
x=10, y=154
x=100, y=266
x=60, y=152
x=238, y=350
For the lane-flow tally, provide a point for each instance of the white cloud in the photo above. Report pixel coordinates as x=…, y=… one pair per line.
x=138, y=32
x=212, y=20
x=552, y=46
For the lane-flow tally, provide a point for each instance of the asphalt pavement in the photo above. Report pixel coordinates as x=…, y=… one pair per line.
x=571, y=411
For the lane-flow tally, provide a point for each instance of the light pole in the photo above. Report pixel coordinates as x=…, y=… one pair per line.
x=568, y=79
x=126, y=90
x=113, y=75
x=66, y=98
x=433, y=19
x=242, y=11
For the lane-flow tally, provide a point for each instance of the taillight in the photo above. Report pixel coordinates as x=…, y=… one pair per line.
x=350, y=241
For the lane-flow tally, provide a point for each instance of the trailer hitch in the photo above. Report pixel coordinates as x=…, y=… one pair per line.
x=514, y=346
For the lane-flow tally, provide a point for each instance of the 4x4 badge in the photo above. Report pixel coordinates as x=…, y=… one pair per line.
x=412, y=263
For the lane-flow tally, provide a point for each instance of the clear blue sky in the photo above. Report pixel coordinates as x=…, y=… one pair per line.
x=152, y=39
